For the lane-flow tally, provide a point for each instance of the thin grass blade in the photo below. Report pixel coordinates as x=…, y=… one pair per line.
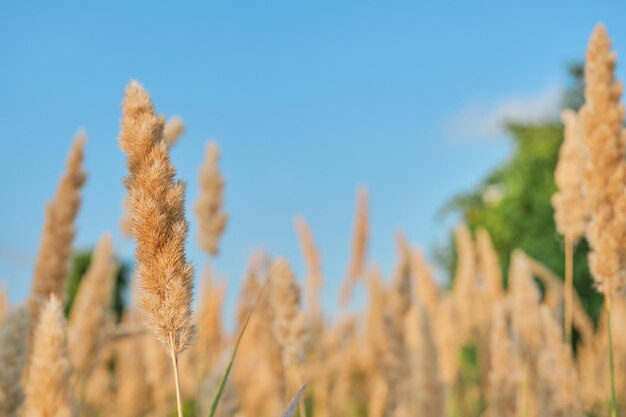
x=294, y=402
x=220, y=388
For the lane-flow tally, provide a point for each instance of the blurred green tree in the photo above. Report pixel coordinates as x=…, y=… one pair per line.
x=513, y=202
x=80, y=263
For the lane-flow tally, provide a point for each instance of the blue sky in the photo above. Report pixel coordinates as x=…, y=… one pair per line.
x=308, y=100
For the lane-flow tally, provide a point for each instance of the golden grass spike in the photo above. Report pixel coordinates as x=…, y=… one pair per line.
x=505, y=369
x=570, y=207
x=212, y=219
x=159, y=226
x=289, y=326
x=53, y=260
x=91, y=308
x=4, y=304
x=571, y=210
x=602, y=120
x=311, y=255
x=525, y=298
x=14, y=334
x=173, y=130
x=132, y=387
x=427, y=388
x=210, y=335
x=558, y=386
x=425, y=289
x=356, y=268
x=489, y=265
x=48, y=389
x=156, y=202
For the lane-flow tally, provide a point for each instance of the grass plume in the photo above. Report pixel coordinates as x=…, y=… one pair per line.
x=53, y=260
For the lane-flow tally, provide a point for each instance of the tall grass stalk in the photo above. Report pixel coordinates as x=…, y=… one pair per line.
x=569, y=287
x=174, y=356
x=607, y=303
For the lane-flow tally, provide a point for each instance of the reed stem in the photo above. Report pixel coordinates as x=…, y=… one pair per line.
x=174, y=357
x=569, y=288
x=607, y=303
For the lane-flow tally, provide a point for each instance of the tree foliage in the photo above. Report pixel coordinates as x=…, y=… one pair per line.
x=513, y=202
x=80, y=263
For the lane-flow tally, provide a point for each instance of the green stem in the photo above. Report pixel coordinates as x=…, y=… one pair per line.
x=612, y=372
x=569, y=288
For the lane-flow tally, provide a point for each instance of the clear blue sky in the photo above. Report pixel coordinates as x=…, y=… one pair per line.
x=308, y=100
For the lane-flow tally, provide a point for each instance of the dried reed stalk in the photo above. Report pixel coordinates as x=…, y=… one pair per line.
x=4, y=304
x=156, y=202
x=289, y=322
x=554, y=284
x=132, y=389
x=426, y=292
x=602, y=120
x=258, y=373
x=570, y=207
x=210, y=340
x=464, y=289
x=173, y=130
x=356, y=268
x=427, y=388
x=53, y=260
x=312, y=258
x=526, y=319
x=91, y=308
x=47, y=387
x=504, y=376
x=14, y=333
x=489, y=267
x=559, y=392
x=211, y=219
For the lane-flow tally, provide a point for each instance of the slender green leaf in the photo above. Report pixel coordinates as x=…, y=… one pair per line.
x=294, y=402
x=220, y=388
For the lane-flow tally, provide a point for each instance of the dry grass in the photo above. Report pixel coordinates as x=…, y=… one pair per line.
x=414, y=349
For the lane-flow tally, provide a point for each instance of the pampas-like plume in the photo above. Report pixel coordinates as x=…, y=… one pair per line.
x=156, y=202
x=464, y=290
x=602, y=119
x=570, y=207
x=489, y=266
x=311, y=255
x=52, y=265
x=158, y=222
x=48, y=390
x=526, y=319
x=427, y=387
x=4, y=304
x=209, y=324
x=400, y=291
x=91, y=308
x=559, y=393
x=425, y=290
x=504, y=374
x=14, y=333
x=173, y=130
x=258, y=373
x=131, y=370
x=359, y=246
x=212, y=220
x=289, y=325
